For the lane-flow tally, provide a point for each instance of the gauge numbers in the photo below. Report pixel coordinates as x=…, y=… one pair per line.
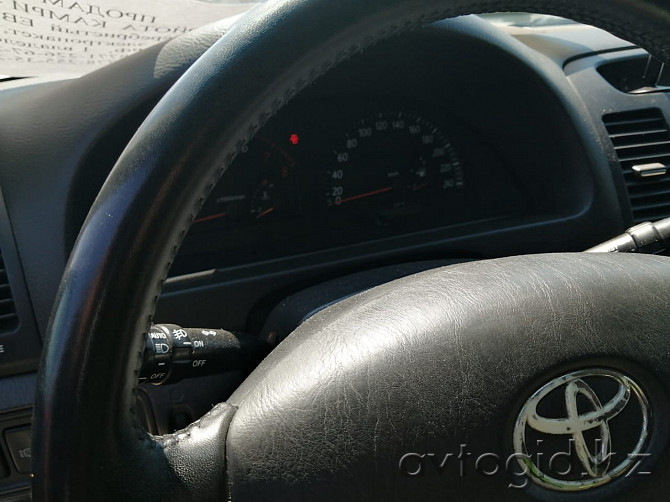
x=392, y=160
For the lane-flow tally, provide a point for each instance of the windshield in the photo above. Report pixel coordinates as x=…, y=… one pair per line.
x=525, y=20
x=52, y=37
x=40, y=37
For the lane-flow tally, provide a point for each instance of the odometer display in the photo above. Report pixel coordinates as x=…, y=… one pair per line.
x=392, y=161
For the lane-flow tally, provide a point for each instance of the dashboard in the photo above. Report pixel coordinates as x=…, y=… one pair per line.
x=383, y=157
x=458, y=141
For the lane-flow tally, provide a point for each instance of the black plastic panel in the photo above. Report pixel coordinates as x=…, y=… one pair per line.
x=15, y=485
x=608, y=104
x=20, y=343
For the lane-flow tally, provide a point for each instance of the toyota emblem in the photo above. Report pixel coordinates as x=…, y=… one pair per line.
x=567, y=436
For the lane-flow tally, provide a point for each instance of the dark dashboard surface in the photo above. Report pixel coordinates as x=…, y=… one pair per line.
x=389, y=153
x=457, y=141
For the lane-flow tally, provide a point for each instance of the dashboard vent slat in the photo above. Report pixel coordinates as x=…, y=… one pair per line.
x=642, y=137
x=644, y=144
x=616, y=137
x=629, y=123
x=8, y=317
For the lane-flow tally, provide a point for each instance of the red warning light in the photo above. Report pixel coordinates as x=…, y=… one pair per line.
x=294, y=139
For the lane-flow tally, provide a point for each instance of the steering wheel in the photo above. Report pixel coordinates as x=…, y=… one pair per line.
x=396, y=393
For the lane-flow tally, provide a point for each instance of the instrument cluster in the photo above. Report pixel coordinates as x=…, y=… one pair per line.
x=327, y=176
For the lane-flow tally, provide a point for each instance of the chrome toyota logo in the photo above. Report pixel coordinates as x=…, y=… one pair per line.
x=579, y=416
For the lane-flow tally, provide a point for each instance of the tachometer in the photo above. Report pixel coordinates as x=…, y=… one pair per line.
x=262, y=186
x=392, y=160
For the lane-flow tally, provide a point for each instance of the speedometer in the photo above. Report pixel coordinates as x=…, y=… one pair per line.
x=392, y=160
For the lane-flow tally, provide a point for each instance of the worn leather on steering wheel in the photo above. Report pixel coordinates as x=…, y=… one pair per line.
x=422, y=363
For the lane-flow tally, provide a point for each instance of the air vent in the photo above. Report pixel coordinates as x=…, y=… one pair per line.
x=642, y=143
x=8, y=318
x=640, y=74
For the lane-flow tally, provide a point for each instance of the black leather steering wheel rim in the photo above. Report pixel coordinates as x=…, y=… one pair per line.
x=87, y=441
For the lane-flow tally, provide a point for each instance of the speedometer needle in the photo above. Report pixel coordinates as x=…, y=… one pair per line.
x=366, y=194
